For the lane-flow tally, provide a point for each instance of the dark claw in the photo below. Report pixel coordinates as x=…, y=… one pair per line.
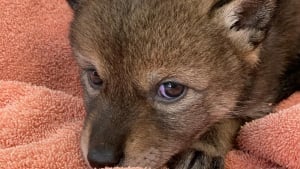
x=195, y=160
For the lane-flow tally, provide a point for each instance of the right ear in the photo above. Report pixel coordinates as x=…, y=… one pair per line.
x=245, y=22
x=251, y=17
x=73, y=4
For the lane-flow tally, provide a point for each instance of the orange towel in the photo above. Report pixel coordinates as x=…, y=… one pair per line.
x=40, y=126
x=34, y=44
x=272, y=141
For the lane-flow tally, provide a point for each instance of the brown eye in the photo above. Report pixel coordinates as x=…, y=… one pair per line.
x=94, y=78
x=171, y=90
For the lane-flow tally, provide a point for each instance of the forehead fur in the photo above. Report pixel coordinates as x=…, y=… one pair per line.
x=129, y=36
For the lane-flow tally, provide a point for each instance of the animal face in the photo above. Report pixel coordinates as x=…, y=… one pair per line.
x=157, y=74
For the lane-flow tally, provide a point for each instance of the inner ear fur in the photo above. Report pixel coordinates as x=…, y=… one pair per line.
x=246, y=22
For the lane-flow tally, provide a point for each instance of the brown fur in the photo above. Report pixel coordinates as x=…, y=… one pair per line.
x=230, y=53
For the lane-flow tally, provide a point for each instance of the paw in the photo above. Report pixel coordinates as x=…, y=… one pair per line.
x=193, y=159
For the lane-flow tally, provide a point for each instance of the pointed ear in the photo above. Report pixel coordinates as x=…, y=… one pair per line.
x=73, y=3
x=246, y=21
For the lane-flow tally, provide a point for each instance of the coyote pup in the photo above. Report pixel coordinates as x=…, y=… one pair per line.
x=169, y=82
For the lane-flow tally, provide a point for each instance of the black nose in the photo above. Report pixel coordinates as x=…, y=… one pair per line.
x=104, y=157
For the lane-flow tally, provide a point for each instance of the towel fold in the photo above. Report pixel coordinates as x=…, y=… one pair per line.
x=272, y=141
x=39, y=127
x=34, y=44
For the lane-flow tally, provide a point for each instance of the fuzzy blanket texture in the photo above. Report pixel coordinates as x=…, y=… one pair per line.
x=41, y=110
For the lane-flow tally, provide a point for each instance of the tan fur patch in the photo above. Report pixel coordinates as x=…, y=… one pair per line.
x=84, y=142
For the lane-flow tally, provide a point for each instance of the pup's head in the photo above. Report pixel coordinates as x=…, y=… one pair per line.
x=158, y=73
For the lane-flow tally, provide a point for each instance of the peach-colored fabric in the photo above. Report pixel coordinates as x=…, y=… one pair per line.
x=39, y=127
x=34, y=44
x=272, y=141
x=41, y=109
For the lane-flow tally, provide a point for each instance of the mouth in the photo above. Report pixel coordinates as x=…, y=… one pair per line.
x=143, y=162
x=187, y=159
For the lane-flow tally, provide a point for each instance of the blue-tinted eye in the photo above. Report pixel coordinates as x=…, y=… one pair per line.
x=94, y=78
x=171, y=90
